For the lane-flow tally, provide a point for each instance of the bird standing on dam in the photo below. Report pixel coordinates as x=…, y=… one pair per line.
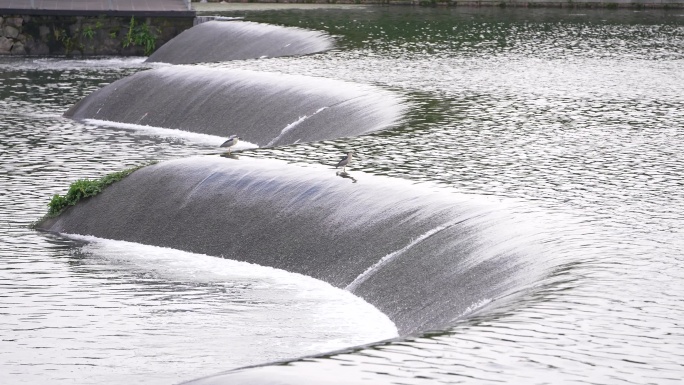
x=345, y=161
x=232, y=141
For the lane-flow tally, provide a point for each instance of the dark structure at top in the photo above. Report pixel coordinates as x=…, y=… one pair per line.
x=160, y=8
x=90, y=27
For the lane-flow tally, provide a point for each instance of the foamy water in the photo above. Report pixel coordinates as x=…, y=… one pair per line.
x=204, y=139
x=131, y=313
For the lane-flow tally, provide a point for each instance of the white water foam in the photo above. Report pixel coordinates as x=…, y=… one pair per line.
x=292, y=125
x=298, y=306
x=475, y=306
x=53, y=63
x=387, y=258
x=211, y=140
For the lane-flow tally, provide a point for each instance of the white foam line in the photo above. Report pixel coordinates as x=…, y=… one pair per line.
x=474, y=306
x=194, y=137
x=293, y=125
x=384, y=260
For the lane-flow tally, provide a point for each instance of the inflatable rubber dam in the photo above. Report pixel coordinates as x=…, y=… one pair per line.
x=266, y=109
x=424, y=258
x=216, y=41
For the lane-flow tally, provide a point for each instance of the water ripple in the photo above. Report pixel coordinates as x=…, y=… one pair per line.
x=580, y=116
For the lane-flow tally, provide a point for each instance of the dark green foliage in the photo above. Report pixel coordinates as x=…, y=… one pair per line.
x=84, y=188
x=57, y=204
x=88, y=32
x=68, y=41
x=141, y=35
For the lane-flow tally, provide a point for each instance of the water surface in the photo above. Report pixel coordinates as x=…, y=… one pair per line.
x=575, y=113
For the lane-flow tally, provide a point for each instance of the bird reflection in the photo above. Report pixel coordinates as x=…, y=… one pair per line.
x=229, y=156
x=344, y=174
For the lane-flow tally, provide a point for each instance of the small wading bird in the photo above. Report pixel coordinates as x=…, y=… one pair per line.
x=345, y=161
x=232, y=141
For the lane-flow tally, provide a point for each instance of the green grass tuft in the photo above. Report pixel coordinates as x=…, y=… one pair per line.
x=85, y=188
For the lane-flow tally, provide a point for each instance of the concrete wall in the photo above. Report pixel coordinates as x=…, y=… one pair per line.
x=43, y=35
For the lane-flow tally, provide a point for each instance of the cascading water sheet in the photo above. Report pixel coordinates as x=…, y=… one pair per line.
x=421, y=257
x=215, y=41
x=266, y=109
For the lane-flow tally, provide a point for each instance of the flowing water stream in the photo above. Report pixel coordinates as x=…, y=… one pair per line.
x=572, y=117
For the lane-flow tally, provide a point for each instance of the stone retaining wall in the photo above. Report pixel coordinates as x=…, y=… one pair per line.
x=43, y=35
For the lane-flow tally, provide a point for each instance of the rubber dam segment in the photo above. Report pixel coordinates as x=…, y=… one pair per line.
x=266, y=109
x=217, y=41
x=424, y=258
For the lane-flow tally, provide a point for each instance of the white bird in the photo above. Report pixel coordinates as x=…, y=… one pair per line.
x=232, y=141
x=345, y=161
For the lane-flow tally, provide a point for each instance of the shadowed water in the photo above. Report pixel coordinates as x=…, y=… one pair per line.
x=576, y=113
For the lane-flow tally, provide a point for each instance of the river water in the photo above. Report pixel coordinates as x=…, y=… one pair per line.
x=577, y=113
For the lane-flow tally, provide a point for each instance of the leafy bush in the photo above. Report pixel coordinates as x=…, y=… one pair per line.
x=88, y=32
x=141, y=35
x=85, y=188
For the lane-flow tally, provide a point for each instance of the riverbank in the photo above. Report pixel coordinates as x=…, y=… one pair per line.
x=86, y=33
x=219, y=6
x=63, y=35
x=90, y=28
